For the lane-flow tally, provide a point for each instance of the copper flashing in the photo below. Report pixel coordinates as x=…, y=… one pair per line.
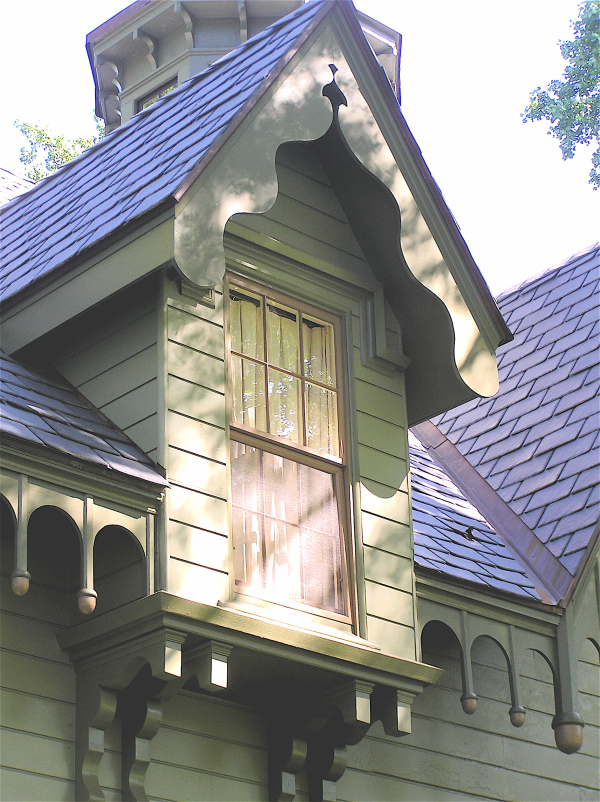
x=544, y=569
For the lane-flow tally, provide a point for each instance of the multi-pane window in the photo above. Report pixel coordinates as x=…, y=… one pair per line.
x=286, y=454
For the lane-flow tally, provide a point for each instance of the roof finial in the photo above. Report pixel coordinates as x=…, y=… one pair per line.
x=333, y=92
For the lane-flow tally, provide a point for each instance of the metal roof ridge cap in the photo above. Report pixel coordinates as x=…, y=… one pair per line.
x=496, y=511
x=249, y=105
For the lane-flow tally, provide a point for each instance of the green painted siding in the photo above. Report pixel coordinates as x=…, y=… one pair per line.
x=110, y=355
x=451, y=756
x=37, y=696
x=210, y=750
x=196, y=456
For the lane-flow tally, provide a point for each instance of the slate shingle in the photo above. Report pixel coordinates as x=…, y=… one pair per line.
x=561, y=413
x=441, y=516
x=123, y=173
x=49, y=413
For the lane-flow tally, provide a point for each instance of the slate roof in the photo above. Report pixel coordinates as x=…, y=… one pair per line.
x=12, y=185
x=537, y=441
x=46, y=411
x=443, y=522
x=140, y=164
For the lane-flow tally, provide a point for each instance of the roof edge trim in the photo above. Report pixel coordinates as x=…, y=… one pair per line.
x=387, y=92
x=542, y=567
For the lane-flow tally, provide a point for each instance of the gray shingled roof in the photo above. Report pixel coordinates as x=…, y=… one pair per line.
x=443, y=523
x=46, y=411
x=12, y=185
x=140, y=164
x=537, y=441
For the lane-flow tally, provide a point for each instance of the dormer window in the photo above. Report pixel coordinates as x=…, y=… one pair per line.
x=287, y=456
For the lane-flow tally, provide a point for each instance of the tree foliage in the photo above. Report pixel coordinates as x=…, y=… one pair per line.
x=46, y=151
x=572, y=106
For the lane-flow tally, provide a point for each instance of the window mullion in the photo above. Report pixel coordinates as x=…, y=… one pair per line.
x=302, y=381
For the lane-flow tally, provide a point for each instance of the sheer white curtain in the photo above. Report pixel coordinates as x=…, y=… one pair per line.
x=286, y=529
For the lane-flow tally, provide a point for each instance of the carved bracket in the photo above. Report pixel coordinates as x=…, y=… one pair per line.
x=315, y=736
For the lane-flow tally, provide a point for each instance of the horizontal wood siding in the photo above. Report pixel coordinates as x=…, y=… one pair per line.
x=111, y=357
x=385, y=504
x=208, y=750
x=37, y=696
x=196, y=457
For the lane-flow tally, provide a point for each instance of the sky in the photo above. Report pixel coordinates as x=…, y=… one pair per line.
x=467, y=69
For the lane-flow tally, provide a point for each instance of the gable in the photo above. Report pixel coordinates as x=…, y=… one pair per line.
x=207, y=152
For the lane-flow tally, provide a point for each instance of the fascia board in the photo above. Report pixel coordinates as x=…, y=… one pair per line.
x=384, y=106
x=79, y=476
x=111, y=31
x=527, y=614
x=85, y=281
x=275, y=639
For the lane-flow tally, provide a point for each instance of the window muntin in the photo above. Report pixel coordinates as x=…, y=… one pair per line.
x=283, y=383
x=288, y=493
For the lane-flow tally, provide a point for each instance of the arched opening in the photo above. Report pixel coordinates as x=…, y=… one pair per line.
x=538, y=684
x=442, y=648
x=119, y=568
x=54, y=562
x=490, y=670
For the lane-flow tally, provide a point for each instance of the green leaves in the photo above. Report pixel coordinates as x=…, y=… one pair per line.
x=572, y=106
x=46, y=151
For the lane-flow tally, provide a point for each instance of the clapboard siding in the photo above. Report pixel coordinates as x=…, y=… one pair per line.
x=451, y=756
x=37, y=696
x=197, y=453
x=20, y=786
x=111, y=356
x=208, y=750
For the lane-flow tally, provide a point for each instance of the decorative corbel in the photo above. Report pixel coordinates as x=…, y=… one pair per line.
x=207, y=666
x=315, y=737
x=188, y=24
x=96, y=706
x=287, y=755
x=392, y=707
x=150, y=44
x=141, y=717
x=105, y=676
x=20, y=577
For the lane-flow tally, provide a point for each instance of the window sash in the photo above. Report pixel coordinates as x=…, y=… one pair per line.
x=283, y=372
x=284, y=557
x=288, y=536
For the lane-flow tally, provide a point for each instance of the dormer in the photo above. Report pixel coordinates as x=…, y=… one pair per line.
x=260, y=284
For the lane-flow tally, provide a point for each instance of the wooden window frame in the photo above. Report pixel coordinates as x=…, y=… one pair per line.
x=336, y=466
